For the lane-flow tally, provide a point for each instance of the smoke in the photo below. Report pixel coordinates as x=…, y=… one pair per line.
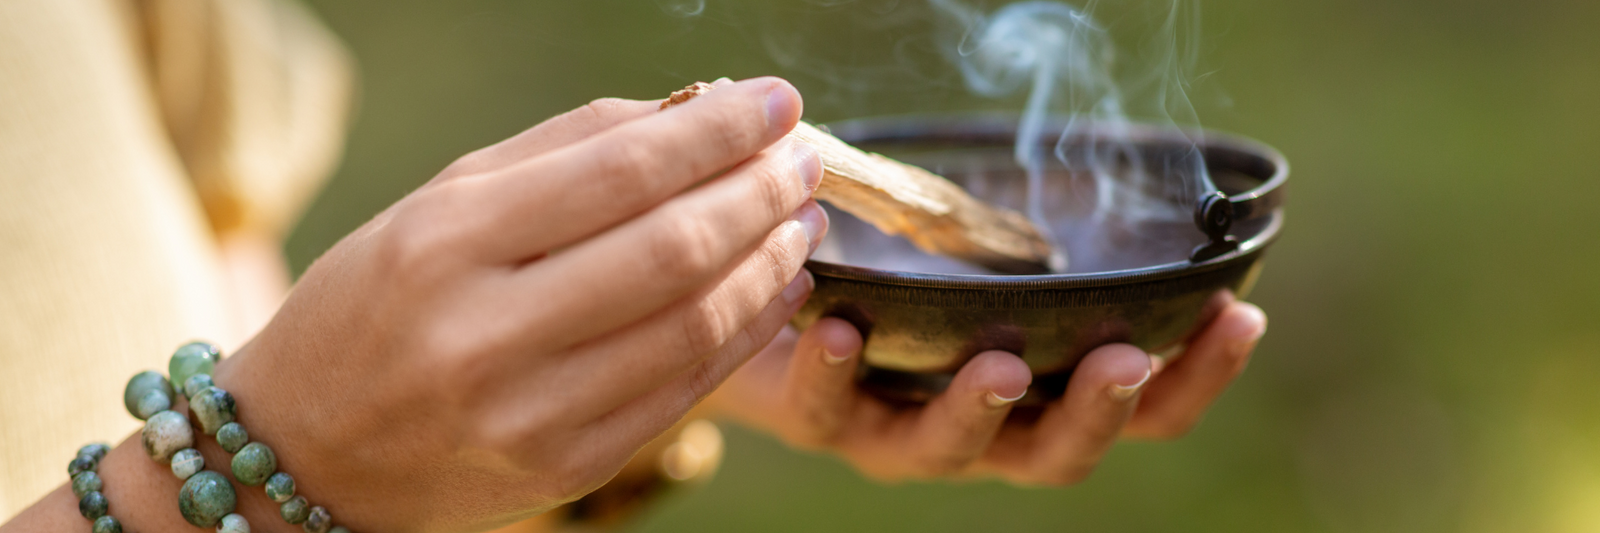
x=1076, y=141
x=1067, y=63
x=682, y=8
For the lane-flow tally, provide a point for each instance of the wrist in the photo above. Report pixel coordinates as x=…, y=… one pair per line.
x=143, y=495
x=336, y=456
x=270, y=421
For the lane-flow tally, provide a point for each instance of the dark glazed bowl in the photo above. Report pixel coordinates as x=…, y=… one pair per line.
x=1134, y=282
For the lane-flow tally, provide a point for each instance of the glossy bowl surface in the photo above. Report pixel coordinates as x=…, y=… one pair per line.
x=1129, y=281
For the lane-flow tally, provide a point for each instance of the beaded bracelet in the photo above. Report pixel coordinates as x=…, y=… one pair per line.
x=86, y=485
x=207, y=498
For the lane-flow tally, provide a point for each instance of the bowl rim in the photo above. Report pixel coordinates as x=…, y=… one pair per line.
x=991, y=123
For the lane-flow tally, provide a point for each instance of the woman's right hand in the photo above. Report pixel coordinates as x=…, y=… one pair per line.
x=504, y=339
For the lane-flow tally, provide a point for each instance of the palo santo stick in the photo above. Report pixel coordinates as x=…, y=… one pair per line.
x=900, y=199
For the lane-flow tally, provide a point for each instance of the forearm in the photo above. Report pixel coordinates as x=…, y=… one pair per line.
x=56, y=512
x=143, y=494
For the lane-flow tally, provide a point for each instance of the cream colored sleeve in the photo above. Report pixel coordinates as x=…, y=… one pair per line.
x=110, y=202
x=255, y=95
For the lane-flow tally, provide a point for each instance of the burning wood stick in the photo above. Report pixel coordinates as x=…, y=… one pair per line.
x=900, y=199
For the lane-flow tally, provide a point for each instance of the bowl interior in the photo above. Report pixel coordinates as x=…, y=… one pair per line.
x=1153, y=227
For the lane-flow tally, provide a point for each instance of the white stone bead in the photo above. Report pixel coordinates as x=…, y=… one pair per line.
x=233, y=523
x=165, y=433
x=187, y=462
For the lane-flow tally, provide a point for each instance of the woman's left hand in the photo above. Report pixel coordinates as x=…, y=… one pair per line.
x=802, y=389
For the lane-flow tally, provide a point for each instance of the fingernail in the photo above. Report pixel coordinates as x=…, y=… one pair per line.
x=1122, y=393
x=1157, y=363
x=833, y=360
x=996, y=400
x=814, y=221
x=796, y=292
x=808, y=165
x=783, y=106
x=1247, y=336
x=722, y=82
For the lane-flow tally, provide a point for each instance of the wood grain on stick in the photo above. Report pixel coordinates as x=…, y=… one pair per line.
x=900, y=199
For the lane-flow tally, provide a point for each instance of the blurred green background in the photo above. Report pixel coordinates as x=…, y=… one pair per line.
x=1432, y=359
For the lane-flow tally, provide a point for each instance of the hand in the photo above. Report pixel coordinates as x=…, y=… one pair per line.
x=505, y=338
x=801, y=388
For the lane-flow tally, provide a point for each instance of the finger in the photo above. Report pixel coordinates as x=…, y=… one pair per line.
x=1180, y=395
x=644, y=417
x=637, y=269
x=557, y=132
x=755, y=391
x=645, y=355
x=1073, y=433
x=819, y=386
x=957, y=426
x=586, y=187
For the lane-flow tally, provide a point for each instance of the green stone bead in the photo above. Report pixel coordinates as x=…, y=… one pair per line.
x=254, y=463
x=213, y=407
x=190, y=359
x=97, y=450
x=196, y=383
x=187, y=462
x=280, y=487
x=296, y=510
x=166, y=433
x=339, y=529
x=93, y=505
x=141, y=384
x=203, y=349
x=153, y=402
x=107, y=524
x=233, y=524
x=232, y=436
x=85, y=483
x=317, y=521
x=205, y=498
x=81, y=464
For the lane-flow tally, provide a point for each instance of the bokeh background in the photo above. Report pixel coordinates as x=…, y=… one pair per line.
x=1434, y=353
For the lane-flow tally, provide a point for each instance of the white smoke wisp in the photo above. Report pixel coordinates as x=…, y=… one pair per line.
x=1067, y=62
x=682, y=8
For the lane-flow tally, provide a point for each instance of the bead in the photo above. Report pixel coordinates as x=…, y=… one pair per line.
x=153, y=402
x=295, y=510
x=190, y=359
x=187, y=462
x=81, y=464
x=206, y=498
x=141, y=384
x=213, y=407
x=254, y=463
x=93, y=505
x=196, y=383
x=200, y=348
x=85, y=483
x=317, y=521
x=233, y=523
x=339, y=529
x=280, y=487
x=97, y=450
x=107, y=524
x=232, y=436
x=166, y=433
